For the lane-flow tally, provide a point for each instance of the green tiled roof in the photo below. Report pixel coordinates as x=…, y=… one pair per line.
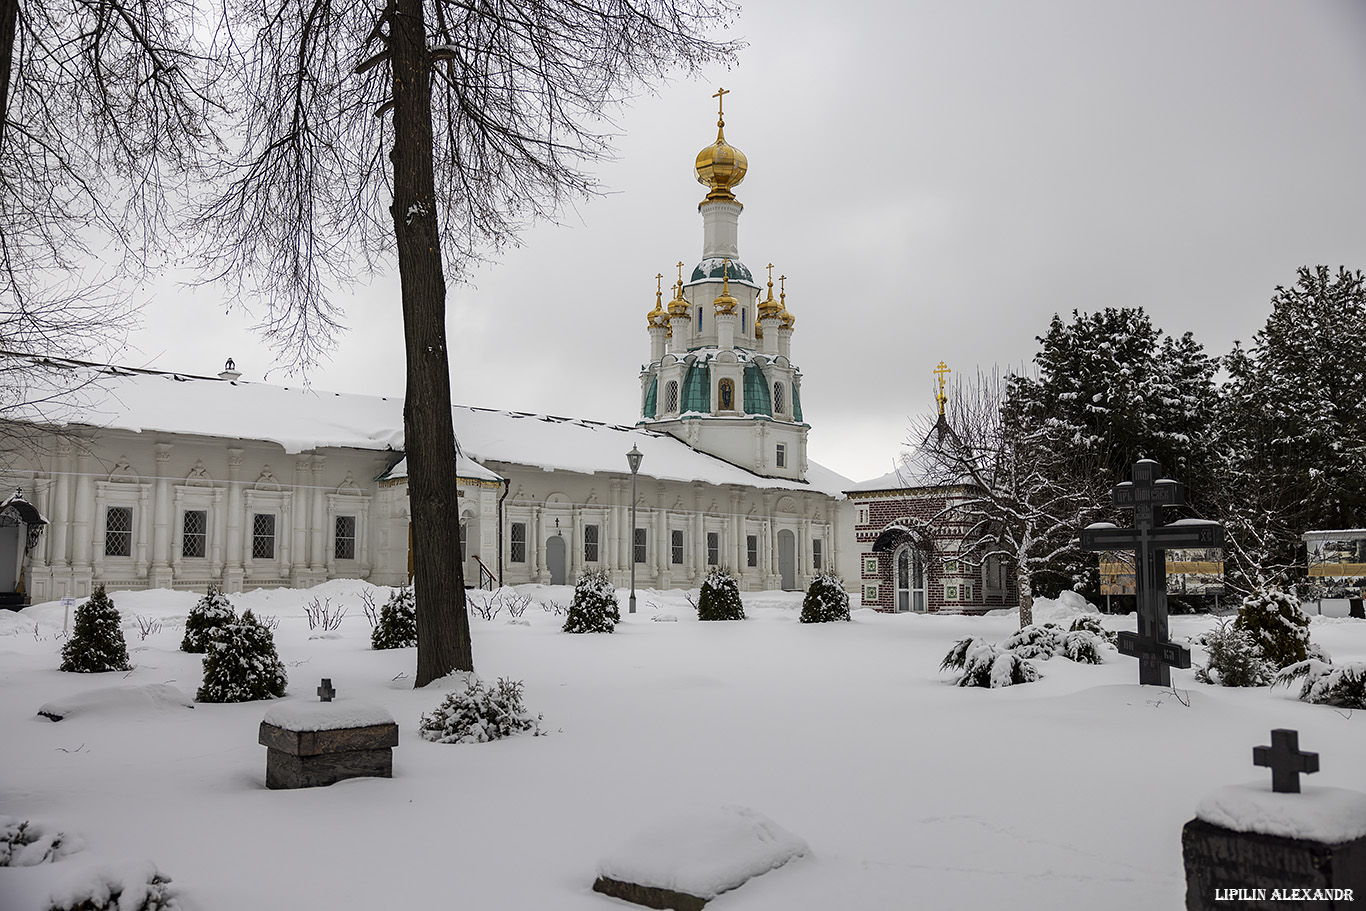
x=796, y=403
x=717, y=269
x=651, y=397
x=697, y=390
x=757, y=399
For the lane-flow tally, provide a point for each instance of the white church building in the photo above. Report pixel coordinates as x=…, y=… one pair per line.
x=147, y=479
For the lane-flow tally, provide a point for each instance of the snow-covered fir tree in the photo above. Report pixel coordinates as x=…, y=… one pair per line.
x=397, y=623
x=478, y=714
x=1279, y=629
x=96, y=643
x=826, y=600
x=213, y=611
x=241, y=664
x=1234, y=659
x=719, y=598
x=594, y=608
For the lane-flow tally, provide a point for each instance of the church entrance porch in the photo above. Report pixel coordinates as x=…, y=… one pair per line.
x=555, y=559
x=910, y=580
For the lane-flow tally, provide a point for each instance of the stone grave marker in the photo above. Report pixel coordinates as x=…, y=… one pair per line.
x=1147, y=495
x=1259, y=846
x=312, y=744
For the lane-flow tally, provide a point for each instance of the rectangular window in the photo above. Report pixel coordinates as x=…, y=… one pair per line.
x=464, y=542
x=863, y=515
x=638, y=546
x=752, y=550
x=817, y=555
x=263, y=536
x=965, y=592
x=782, y=455
x=996, y=573
x=118, y=531
x=590, y=544
x=676, y=548
x=194, y=532
x=713, y=548
x=517, y=542
x=344, y=538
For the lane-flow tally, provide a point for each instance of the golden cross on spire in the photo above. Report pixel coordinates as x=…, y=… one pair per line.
x=782, y=287
x=770, y=273
x=680, y=271
x=725, y=275
x=941, y=371
x=720, y=114
x=659, y=280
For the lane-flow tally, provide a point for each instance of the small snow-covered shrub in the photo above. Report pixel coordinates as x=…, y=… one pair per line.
x=138, y=887
x=241, y=664
x=1091, y=623
x=594, y=608
x=991, y=666
x=396, y=626
x=1277, y=626
x=826, y=600
x=96, y=642
x=22, y=844
x=1081, y=646
x=1325, y=684
x=720, y=597
x=213, y=611
x=1034, y=641
x=957, y=658
x=1234, y=659
x=478, y=715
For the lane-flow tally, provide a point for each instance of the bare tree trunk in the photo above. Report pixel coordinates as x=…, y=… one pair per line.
x=1026, y=597
x=443, y=631
x=9, y=26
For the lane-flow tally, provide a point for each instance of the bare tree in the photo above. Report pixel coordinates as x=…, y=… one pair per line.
x=479, y=107
x=1014, y=496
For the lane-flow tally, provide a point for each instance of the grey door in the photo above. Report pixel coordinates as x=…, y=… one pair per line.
x=787, y=559
x=9, y=556
x=554, y=559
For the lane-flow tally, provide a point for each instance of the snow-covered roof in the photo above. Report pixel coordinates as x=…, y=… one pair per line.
x=299, y=419
x=911, y=470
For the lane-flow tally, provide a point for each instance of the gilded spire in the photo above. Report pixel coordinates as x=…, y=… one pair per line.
x=721, y=166
x=657, y=316
x=725, y=303
x=768, y=307
x=941, y=371
x=788, y=319
x=678, y=307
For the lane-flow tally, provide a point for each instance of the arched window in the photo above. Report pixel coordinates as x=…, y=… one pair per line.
x=726, y=395
x=671, y=397
x=909, y=576
x=699, y=320
x=778, y=405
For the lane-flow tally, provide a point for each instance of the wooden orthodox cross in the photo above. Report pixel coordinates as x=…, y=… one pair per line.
x=1149, y=539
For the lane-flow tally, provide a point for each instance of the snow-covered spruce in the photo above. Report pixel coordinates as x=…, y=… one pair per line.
x=1090, y=623
x=23, y=844
x=1234, y=659
x=720, y=597
x=397, y=624
x=1277, y=626
x=241, y=664
x=1081, y=646
x=478, y=715
x=214, y=610
x=985, y=664
x=133, y=887
x=1342, y=686
x=594, y=608
x=1034, y=641
x=826, y=600
x=96, y=642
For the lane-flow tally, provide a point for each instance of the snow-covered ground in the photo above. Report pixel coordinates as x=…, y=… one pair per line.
x=1066, y=793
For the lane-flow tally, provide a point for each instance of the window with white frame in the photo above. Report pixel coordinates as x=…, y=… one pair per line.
x=778, y=404
x=590, y=543
x=676, y=547
x=118, y=531
x=194, y=533
x=713, y=548
x=263, y=536
x=344, y=538
x=752, y=550
x=464, y=542
x=782, y=455
x=671, y=397
x=996, y=572
x=817, y=554
x=517, y=542
x=638, y=546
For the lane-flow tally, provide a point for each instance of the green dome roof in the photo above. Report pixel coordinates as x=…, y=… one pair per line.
x=716, y=268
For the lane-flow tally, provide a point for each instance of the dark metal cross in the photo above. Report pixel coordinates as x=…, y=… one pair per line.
x=1285, y=760
x=325, y=692
x=1146, y=494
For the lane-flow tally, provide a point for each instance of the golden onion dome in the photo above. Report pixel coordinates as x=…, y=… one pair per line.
x=725, y=303
x=658, y=315
x=768, y=307
x=788, y=320
x=678, y=306
x=721, y=166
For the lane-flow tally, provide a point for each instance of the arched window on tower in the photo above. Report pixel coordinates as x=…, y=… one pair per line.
x=778, y=404
x=671, y=397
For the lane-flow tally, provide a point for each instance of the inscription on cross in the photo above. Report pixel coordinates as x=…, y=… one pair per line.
x=1285, y=760
x=1147, y=494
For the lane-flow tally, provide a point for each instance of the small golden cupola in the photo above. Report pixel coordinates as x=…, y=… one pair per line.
x=678, y=306
x=725, y=303
x=721, y=166
x=769, y=307
x=658, y=316
x=788, y=319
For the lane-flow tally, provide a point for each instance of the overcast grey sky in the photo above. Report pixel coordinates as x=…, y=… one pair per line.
x=936, y=179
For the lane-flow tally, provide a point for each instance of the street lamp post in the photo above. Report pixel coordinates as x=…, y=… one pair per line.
x=633, y=459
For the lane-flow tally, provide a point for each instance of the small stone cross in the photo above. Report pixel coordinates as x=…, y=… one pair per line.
x=325, y=693
x=1285, y=760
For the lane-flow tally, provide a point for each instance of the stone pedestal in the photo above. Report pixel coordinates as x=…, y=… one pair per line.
x=1227, y=869
x=310, y=747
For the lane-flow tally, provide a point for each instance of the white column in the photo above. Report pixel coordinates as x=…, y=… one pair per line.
x=319, y=554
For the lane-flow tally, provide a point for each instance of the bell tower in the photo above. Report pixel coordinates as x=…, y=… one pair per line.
x=720, y=376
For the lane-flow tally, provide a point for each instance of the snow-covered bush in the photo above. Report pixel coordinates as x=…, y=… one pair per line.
x=1081, y=646
x=396, y=626
x=22, y=844
x=96, y=642
x=1341, y=686
x=1034, y=641
x=826, y=600
x=137, y=887
x=1234, y=659
x=720, y=597
x=1091, y=623
x=241, y=664
x=478, y=715
x=1276, y=625
x=594, y=608
x=989, y=665
x=214, y=610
